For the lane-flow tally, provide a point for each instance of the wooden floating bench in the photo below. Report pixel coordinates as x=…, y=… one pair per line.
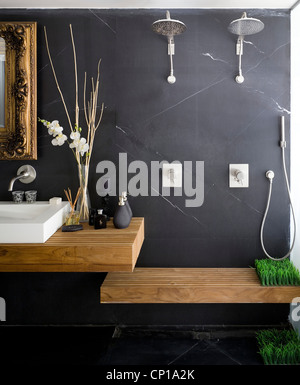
x=192, y=285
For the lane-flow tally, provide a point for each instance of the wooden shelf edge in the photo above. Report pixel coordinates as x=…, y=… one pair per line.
x=167, y=285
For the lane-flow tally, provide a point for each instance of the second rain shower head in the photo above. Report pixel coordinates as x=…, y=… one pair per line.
x=243, y=27
x=169, y=27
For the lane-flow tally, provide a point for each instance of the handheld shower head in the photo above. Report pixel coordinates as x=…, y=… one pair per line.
x=169, y=27
x=243, y=27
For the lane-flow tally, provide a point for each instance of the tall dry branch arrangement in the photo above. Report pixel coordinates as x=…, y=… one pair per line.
x=82, y=148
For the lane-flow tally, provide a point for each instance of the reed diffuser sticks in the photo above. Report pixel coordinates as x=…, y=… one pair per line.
x=69, y=197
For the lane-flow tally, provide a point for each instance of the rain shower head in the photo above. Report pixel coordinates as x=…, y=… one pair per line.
x=243, y=27
x=169, y=27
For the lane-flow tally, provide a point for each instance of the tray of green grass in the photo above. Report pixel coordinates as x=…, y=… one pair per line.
x=279, y=347
x=277, y=273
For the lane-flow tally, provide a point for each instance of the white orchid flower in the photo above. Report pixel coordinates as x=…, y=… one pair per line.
x=59, y=140
x=78, y=143
x=54, y=128
x=82, y=146
x=75, y=135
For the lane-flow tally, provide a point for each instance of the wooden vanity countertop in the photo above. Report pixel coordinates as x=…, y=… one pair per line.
x=87, y=250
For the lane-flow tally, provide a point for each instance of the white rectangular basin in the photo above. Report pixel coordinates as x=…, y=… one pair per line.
x=30, y=223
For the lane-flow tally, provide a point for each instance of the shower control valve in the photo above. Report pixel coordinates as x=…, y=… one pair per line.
x=172, y=175
x=238, y=175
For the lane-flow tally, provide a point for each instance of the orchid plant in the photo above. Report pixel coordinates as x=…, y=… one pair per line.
x=82, y=147
x=78, y=143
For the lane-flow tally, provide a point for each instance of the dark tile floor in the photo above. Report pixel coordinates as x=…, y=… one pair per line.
x=111, y=346
x=181, y=347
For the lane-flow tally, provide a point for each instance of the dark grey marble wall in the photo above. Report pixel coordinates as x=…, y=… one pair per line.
x=204, y=116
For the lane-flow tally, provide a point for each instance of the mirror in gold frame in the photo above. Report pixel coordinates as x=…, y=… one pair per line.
x=18, y=91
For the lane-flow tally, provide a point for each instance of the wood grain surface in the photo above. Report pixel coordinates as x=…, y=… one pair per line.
x=192, y=285
x=100, y=250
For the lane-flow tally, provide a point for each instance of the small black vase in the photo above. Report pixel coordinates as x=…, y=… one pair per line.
x=122, y=216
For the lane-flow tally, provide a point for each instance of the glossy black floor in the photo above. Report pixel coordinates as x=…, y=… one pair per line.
x=113, y=346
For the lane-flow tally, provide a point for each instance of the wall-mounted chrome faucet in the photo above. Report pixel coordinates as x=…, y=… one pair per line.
x=25, y=174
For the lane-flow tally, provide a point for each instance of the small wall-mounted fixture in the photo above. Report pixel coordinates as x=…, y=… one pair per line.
x=172, y=175
x=238, y=175
x=243, y=27
x=25, y=174
x=169, y=28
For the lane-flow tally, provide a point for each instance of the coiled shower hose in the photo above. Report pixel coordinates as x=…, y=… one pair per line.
x=282, y=145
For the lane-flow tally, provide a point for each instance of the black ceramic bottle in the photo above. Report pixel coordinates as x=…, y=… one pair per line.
x=122, y=217
x=105, y=207
x=100, y=220
x=124, y=196
x=92, y=214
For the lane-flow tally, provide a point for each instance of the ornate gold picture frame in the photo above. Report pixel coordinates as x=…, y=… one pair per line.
x=18, y=136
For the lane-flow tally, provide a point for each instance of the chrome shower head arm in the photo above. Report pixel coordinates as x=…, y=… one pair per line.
x=240, y=45
x=239, y=51
x=171, y=78
x=171, y=45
